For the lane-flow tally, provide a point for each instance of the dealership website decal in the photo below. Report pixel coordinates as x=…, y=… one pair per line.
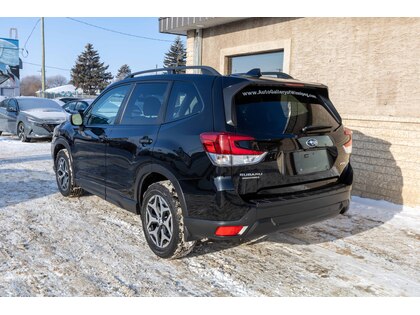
x=275, y=92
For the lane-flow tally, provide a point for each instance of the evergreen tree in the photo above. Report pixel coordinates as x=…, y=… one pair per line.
x=177, y=54
x=89, y=73
x=123, y=71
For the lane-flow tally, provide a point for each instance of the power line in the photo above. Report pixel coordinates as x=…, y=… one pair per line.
x=51, y=67
x=26, y=42
x=118, y=32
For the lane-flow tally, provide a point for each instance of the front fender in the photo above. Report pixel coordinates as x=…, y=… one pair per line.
x=57, y=144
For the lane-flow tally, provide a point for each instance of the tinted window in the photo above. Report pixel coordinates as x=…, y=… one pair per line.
x=70, y=106
x=3, y=104
x=12, y=105
x=81, y=106
x=105, y=110
x=272, y=111
x=145, y=104
x=184, y=101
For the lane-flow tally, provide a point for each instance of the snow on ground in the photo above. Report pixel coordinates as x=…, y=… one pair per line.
x=56, y=246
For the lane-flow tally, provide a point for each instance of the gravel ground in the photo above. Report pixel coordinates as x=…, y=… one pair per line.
x=56, y=246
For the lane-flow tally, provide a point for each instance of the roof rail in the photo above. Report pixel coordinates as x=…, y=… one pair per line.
x=256, y=73
x=176, y=70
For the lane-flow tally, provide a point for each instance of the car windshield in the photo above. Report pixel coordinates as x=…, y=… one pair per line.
x=39, y=104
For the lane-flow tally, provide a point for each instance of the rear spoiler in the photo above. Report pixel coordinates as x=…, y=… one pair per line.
x=230, y=91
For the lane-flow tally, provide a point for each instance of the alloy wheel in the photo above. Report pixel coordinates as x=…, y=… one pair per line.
x=21, y=131
x=63, y=173
x=159, y=223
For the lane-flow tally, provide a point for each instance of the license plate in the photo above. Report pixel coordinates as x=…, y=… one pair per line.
x=311, y=161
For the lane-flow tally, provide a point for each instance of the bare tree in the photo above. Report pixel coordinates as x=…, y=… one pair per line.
x=29, y=85
x=56, y=80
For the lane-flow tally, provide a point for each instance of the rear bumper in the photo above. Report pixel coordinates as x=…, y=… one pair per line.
x=279, y=214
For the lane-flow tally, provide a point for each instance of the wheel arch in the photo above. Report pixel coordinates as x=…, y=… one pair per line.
x=156, y=174
x=60, y=144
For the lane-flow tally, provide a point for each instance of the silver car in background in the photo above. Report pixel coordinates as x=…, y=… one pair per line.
x=30, y=117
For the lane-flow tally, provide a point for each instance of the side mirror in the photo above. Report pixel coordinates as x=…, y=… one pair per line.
x=76, y=120
x=12, y=109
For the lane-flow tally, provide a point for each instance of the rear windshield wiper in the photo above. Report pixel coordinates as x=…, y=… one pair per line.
x=311, y=128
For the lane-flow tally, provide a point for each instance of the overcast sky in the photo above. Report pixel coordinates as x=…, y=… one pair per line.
x=65, y=40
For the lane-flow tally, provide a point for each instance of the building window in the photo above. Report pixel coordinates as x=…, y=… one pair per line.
x=267, y=62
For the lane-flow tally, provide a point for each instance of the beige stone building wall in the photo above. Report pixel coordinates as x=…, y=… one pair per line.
x=372, y=69
x=190, y=46
x=386, y=158
x=372, y=65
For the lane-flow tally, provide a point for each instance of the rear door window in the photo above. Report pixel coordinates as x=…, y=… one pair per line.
x=274, y=111
x=145, y=104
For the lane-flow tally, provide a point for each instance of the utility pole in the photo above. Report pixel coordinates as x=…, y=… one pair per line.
x=43, y=58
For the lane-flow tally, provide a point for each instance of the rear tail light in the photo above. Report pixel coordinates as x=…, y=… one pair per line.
x=224, y=150
x=230, y=230
x=348, y=146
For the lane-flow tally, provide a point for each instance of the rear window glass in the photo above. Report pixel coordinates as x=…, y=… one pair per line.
x=273, y=111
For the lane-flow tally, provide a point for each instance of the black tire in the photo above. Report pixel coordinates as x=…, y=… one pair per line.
x=22, y=133
x=64, y=175
x=164, y=194
x=1, y=132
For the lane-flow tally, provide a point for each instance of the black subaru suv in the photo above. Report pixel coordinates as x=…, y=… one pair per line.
x=201, y=155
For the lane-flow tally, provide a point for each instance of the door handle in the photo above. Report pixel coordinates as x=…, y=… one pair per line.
x=146, y=140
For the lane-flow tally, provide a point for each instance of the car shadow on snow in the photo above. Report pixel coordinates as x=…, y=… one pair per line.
x=21, y=185
x=376, y=176
x=31, y=158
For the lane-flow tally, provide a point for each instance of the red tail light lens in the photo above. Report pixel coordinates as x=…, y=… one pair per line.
x=226, y=143
x=224, y=149
x=229, y=230
x=348, y=146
